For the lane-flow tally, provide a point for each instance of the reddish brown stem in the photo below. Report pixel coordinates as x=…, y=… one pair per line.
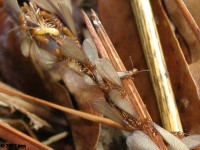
x=188, y=17
x=16, y=137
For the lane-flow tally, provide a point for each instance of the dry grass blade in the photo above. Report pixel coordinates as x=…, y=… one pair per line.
x=83, y=115
x=188, y=17
x=10, y=134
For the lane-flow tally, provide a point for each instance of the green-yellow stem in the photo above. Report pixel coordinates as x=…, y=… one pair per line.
x=157, y=66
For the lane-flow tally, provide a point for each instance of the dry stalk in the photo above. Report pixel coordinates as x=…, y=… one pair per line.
x=188, y=17
x=15, y=136
x=157, y=66
x=101, y=38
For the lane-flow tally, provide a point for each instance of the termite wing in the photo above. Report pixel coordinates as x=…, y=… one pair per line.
x=43, y=56
x=175, y=143
x=71, y=50
x=13, y=7
x=140, y=141
x=103, y=67
x=102, y=107
x=115, y=96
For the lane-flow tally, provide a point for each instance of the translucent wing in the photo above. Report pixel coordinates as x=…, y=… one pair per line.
x=107, y=71
x=174, y=142
x=13, y=6
x=140, y=141
x=66, y=16
x=105, y=109
x=70, y=49
x=121, y=103
x=48, y=5
x=47, y=58
x=192, y=141
x=88, y=80
x=26, y=46
x=90, y=50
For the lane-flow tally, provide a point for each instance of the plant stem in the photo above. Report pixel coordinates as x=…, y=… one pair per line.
x=188, y=17
x=156, y=63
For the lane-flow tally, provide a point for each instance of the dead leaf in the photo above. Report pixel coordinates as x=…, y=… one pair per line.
x=85, y=133
x=183, y=27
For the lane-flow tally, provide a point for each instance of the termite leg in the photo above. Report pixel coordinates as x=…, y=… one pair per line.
x=22, y=22
x=41, y=38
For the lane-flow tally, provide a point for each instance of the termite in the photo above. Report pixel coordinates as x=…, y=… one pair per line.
x=115, y=96
x=104, y=72
x=45, y=30
x=102, y=107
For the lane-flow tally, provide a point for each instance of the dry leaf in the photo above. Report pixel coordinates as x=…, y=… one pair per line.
x=183, y=27
x=85, y=133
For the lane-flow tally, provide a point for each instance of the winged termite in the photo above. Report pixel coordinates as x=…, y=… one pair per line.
x=116, y=97
x=90, y=50
x=108, y=72
x=105, y=109
x=140, y=141
x=112, y=111
x=70, y=49
x=174, y=142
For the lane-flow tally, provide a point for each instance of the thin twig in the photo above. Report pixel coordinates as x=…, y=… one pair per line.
x=188, y=17
x=84, y=115
x=12, y=135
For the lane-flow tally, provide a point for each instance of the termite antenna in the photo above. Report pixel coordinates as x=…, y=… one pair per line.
x=144, y=70
x=13, y=29
x=130, y=58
